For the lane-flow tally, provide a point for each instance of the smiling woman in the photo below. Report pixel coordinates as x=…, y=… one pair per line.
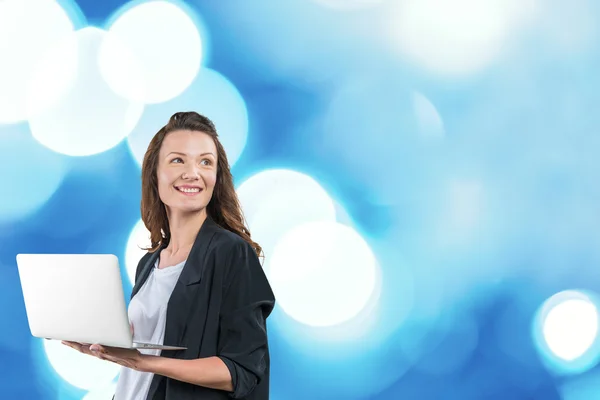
x=187, y=170
x=200, y=285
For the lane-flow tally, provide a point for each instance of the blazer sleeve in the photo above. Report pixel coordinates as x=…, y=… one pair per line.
x=247, y=302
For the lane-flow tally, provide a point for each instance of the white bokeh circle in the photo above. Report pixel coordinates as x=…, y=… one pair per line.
x=323, y=273
x=570, y=328
x=456, y=37
x=565, y=332
x=27, y=28
x=139, y=238
x=80, y=370
x=72, y=109
x=212, y=95
x=166, y=42
x=277, y=200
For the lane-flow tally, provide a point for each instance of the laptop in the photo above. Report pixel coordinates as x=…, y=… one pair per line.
x=79, y=298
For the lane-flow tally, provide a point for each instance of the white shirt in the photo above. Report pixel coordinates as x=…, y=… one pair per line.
x=148, y=314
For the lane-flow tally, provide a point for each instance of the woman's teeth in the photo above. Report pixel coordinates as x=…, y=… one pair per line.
x=189, y=190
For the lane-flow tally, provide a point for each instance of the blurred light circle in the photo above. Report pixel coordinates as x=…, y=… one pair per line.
x=27, y=28
x=368, y=322
x=139, y=238
x=73, y=111
x=455, y=37
x=212, y=95
x=570, y=328
x=566, y=331
x=80, y=370
x=277, y=200
x=35, y=173
x=323, y=273
x=167, y=44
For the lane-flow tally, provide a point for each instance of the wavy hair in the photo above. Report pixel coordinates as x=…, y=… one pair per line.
x=224, y=206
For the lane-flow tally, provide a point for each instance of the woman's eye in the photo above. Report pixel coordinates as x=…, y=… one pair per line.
x=206, y=162
x=177, y=160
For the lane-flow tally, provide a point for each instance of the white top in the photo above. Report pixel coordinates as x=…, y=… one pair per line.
x=148, y=314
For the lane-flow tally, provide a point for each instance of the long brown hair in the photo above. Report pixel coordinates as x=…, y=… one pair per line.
x=224, y=207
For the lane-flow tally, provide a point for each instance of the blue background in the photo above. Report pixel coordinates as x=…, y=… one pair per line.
x=478, y=206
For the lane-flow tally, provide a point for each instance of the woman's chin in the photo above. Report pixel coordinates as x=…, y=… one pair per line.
x=186, y=209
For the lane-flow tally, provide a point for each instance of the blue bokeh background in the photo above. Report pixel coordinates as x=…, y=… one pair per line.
x=463, y=150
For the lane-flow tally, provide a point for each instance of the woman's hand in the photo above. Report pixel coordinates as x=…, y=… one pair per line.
x=129, y=358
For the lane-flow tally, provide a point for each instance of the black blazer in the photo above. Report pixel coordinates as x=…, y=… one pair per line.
x=218, y=307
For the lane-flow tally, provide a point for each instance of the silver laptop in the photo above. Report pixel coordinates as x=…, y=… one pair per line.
x=77, y=297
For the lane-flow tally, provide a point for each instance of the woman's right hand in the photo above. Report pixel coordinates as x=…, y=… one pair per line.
x=80, y=347
x=85, y=347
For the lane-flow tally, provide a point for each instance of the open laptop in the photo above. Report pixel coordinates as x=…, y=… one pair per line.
x=79, y=298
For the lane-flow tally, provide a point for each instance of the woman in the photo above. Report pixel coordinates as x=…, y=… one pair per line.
x=201, y=285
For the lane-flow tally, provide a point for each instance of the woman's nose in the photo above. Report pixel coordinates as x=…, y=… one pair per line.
x=191, y=173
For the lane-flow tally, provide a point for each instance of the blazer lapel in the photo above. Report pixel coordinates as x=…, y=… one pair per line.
x=181, y=298
x=194, y=266
x=145, y=271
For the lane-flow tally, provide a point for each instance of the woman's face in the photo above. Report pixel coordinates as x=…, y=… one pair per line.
x=187, y=171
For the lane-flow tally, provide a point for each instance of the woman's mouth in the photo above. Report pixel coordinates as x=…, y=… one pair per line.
x=188, y=190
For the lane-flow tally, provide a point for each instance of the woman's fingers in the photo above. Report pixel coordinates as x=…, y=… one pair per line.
x=81, y=347
x=74, y=345
x=96, y=348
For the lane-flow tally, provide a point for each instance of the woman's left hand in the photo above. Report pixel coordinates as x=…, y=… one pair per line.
x=129, y=358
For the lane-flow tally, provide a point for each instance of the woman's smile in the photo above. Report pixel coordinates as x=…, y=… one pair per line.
x=188, y=190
